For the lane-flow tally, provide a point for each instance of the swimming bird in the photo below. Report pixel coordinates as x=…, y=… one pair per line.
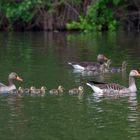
x=57, y=91
x=77, y=91
x=22, y=90
x=10, y=87
x=102, y=69
x=33, y=91
x=112, y=88
x=117, y=69
x=101, y=59
x=43, y=91
x=38, y=92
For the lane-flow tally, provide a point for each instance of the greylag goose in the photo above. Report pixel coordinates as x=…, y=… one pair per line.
x=39, y=92
x=101, y=59
x=57, y=91
x=101, y=68
x=104, y=68
x=76, y=91
x=113, y=88
x=11, y=87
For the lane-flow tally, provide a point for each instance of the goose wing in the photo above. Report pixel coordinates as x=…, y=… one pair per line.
x=103, y=85
x=86, y=64
x=2, y=85
x=113, y=86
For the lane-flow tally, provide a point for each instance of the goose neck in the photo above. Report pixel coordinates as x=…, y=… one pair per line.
x=132, y=85
x=10, y=82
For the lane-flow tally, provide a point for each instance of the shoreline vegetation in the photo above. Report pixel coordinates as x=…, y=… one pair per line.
x=61, y=15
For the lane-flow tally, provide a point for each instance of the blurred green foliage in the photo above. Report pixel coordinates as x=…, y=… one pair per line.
x=100, y=16
x=23, y=10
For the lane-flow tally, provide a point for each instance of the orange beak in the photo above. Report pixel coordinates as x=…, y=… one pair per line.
x=138, y=75
x=18, y=78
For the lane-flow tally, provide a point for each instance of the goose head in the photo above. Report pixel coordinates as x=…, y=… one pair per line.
x=14, y=76
x=132, y=85
x=134, y=73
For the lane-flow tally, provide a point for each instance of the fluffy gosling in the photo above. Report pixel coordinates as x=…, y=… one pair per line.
x=76, y=91
x=57, y=91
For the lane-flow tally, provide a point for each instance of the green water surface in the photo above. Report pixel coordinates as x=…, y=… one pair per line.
x=41, y=58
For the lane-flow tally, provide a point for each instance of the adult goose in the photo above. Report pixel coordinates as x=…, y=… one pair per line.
x=38, y=92
x=102, y=69
x=11, y=87
x=101, y=59
x=113, y=88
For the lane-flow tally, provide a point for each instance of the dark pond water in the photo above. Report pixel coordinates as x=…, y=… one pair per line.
x=41, y=58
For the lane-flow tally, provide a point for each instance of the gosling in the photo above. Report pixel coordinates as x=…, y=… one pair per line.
x=76, y=91
x=22, y=90
x=58, y=91
x=40, y=92
x=43, y=91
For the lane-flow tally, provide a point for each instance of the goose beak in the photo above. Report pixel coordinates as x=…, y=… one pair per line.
x=19, y=79
x=138, y=75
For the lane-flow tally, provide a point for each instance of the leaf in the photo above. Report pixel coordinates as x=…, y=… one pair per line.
x=116, y=2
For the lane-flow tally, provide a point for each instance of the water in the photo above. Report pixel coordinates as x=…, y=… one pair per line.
x=41, y=58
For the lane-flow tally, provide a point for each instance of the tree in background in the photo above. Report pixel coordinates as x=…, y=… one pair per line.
x=87, y=15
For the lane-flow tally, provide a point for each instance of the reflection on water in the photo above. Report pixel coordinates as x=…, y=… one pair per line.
x=13, y=120
x=133, y=117
x=41, y=59
x=126, y=115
